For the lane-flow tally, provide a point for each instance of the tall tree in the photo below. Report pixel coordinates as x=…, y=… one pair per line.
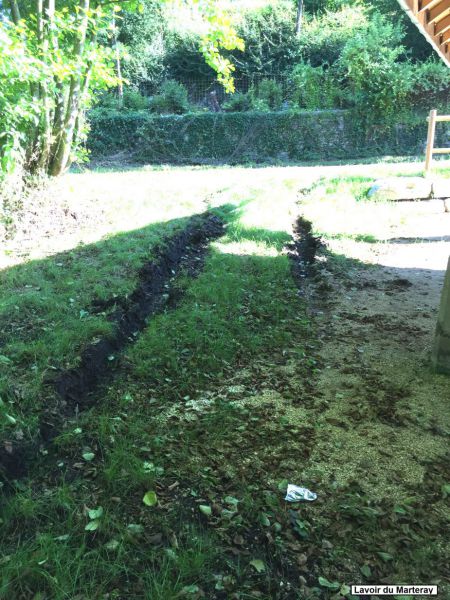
x=66, y=53
x=299, y=17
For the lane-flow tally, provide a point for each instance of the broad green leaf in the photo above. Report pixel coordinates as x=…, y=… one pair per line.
x=231, y=500
x=331, y=585
x=135, y=528
x=366, y=570
x=228, y=514
x=88, y=456
x=95, y=513
x=399, y=510
x=190, y=589
x=150, y=498
x=205, y=509
x=446, y=490
x=112, y=545
x=282, y=486
x=92, y=525
x=385, y=556
x=258, y=565
x=264, y=520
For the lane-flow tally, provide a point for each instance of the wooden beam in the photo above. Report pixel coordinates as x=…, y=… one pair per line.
x=442, y=25
x=427, y=4
x=439, y=11
x=418, y=12
x=430, y=139
x=441, y=347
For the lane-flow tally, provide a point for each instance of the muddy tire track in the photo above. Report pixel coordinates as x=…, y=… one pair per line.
x=302, y=251
x=76, y=389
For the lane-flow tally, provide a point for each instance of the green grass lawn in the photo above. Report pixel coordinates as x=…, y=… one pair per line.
x=172, y=484
x=242, y=310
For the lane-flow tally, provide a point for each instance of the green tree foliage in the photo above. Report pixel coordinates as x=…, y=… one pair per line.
x=271, y=46
x=325, y=36
x=145, y=35
x=184, y=60
x=18, y=112
x=377, y=79
x=54, y=59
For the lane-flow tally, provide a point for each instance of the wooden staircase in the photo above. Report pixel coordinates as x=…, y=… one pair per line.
x=432, y=17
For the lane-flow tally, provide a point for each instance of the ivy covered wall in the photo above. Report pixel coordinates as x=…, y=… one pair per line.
x=233, y=138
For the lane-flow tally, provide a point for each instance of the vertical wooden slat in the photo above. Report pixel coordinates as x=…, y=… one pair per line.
x=430, y=139
x=441, y=348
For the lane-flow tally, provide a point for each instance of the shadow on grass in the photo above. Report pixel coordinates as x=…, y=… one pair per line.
x=242, y=309
x=51, y=310
x=236, y=312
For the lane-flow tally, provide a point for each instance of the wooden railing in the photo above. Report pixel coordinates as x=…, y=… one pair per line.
x=432, y=120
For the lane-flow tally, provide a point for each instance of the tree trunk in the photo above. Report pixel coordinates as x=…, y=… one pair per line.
x=43, y=145
x=65, y=135
x=118, y=63
x=15, y=12
x=298, y=20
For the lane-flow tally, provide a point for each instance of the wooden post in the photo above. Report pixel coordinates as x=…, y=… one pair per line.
x=430, y=139
x=441, y=348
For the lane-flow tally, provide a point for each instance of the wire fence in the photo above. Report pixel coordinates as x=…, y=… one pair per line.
x=211, y=95
x=204, y=92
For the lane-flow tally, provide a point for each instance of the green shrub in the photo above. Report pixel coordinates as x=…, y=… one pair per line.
x=267, y=95
x=313, y=88
x=133, y=100
x=107, y=100
x=144, y=33
x=238, y=102
x=171, y=100
x=431, y=76
x=271, y=45
x=377, y=76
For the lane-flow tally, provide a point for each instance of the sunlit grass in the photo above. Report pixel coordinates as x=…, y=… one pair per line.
x=214, y=401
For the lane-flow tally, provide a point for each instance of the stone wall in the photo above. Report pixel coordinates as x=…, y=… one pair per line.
x=233, y=138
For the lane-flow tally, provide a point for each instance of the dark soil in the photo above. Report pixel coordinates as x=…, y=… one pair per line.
x=302, y=250
x=185, y=251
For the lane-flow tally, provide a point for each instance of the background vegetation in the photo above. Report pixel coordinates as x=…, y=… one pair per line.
x=68, y=65
x=346, y=54
x=252, y=136
x=361, y=56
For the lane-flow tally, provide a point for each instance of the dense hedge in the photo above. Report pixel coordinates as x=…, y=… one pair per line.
x=256, y=136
